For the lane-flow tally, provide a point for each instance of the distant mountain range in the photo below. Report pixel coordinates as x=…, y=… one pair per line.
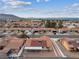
x=9, y=17
x=13, y=17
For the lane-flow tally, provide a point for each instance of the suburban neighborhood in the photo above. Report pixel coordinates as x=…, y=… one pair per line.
x=37, y=38
x=39, y=29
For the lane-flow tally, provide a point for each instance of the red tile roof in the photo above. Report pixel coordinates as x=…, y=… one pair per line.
x=36, y=43
x=45, y=42
x=42, y=43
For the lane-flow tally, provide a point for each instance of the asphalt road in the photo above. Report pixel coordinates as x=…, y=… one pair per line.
x=56, y=36
x=57, y=49
x=44, y=58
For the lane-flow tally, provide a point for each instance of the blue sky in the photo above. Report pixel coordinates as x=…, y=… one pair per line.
x=40, y=8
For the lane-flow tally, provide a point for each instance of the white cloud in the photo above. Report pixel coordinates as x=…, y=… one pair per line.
x=37, y=0
x=71, y=10
x=18, y=3
x=16, y=6
x=42, y=0
x=46, y=0
x=15, y=3
x=13, y=6
x=74, y=7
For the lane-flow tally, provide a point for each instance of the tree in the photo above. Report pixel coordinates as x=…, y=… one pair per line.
x=47, y=24
x=22, y=34
x=53, y=25
x=50, y=24
x=60, y=24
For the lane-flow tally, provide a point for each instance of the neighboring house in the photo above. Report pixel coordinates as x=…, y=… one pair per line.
x=70, y=44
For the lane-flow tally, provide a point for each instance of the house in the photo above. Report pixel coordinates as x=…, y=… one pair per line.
x=42, y=43
x=13, y=47
x=70, y=44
